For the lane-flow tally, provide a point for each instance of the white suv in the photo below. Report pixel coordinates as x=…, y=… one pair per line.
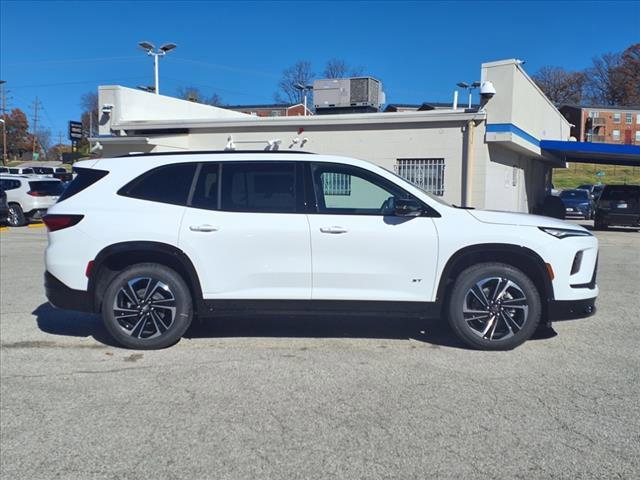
x=29, y=197
x=152, y=240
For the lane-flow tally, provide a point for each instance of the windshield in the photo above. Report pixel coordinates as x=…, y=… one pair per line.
x=621, y=192
x=584, y=187
x=575, y=195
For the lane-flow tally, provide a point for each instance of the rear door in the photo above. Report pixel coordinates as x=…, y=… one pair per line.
x=246, y=232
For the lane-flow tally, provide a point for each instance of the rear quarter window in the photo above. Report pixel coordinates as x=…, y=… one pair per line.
x=85, y=178
x=167, y=184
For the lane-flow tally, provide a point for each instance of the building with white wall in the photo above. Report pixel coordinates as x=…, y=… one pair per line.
x=487, y=157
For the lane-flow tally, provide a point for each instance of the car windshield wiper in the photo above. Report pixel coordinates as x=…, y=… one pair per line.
x=463, y=208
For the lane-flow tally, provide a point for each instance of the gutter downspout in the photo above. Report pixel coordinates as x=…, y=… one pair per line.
x=468, y=164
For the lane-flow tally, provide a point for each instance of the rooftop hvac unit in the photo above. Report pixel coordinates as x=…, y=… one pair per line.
x=347, y=95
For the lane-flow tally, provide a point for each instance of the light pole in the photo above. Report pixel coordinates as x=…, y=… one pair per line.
x=304, y=89
x=4, y=123
x=470, y=87
x=160, y=52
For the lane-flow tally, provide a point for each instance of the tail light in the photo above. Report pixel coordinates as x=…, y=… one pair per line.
x=59, y=221
x=35, y=193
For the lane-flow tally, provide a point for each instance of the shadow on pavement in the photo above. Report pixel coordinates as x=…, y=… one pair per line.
x=72, y=324
x=434, y=332
x=326, y=326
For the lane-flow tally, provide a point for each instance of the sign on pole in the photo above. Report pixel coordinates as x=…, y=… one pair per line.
x=75, y=130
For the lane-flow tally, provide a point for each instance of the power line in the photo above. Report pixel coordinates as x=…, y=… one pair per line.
x=228, y=68
x=80, y=82
x=79, y=60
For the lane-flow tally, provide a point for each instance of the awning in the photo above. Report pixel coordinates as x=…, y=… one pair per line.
x=587, y=152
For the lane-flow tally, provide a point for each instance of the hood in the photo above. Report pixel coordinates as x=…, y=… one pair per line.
x=575, y=201
x=522, y=219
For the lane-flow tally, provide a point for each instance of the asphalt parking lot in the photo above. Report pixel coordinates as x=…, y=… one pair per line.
x=287, y=398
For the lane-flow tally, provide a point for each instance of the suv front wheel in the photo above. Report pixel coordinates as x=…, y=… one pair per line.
x=147, y=306
x=494, y=306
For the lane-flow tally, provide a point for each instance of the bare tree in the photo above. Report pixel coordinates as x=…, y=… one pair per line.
x=559, y=85
x=90, y=113
x=43, y=135
x=298, y=74
x=604, y=81
x=337, y=68
x=194, y=94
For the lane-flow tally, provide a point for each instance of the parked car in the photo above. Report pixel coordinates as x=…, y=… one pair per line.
x=28, y=197
x=596, y=192
x=618, y=205
x=4, y=208
x=577, y=203
x=153, y=242
x=21, y=171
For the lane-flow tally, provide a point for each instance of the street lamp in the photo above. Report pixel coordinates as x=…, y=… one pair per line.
x=160, y=52
x=304, y=89
x=470, y=87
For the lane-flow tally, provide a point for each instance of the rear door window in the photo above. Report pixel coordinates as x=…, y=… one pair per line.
x=8, y=184
x=166, y=184
x=263, y=187
x=205, y=194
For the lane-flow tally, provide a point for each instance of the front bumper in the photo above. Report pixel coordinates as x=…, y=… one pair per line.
x=65, y=298
x=571, y=309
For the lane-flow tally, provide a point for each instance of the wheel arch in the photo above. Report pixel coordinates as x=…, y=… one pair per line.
x=517, y=256
x=116, y=257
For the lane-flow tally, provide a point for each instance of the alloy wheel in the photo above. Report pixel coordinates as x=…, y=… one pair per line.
x=495, y=308
x=144, y=308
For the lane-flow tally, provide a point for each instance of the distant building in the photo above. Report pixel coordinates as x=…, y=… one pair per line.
x=271, y=110
x=604, y=124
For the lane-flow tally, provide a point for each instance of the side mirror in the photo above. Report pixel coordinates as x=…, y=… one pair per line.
x=407, y=207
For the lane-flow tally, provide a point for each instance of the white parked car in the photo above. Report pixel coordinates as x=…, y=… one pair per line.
x=29, y=197
x=152, y=241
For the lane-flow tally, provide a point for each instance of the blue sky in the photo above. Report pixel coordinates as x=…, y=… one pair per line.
x=59, y=50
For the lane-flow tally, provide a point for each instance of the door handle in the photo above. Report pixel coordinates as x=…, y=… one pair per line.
x=333, y=230
x=203, y=228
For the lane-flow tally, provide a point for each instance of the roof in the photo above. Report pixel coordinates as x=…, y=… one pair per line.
x=264, y=105
x=601, y=107
x=587, y=152
x=424, y=106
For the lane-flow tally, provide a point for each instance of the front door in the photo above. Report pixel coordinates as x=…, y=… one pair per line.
x=361, y=250
x=243, y=233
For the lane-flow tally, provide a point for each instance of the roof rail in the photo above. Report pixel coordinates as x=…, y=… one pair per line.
x=202, y=152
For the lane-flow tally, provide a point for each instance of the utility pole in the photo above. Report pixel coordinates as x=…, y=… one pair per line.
x=4, y=123
x=36, y=105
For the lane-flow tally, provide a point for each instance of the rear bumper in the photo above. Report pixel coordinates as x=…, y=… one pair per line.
x=621, y=219
x=571, y=309
x=65, y=298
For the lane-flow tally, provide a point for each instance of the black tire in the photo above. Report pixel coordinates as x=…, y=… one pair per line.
x=16, y=216
x=598, y=224
x=148, y=315
x=515, y=324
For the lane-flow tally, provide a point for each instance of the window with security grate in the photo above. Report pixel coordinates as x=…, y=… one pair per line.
x=426, y=173
x=336, y=184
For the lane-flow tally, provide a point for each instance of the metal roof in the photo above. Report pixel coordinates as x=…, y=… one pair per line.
x=587, y=152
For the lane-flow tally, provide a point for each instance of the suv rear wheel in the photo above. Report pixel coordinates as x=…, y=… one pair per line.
x=147, y=306
x=16, y=216
x=494, y=306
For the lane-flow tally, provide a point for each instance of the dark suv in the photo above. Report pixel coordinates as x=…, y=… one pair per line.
x=618, y=205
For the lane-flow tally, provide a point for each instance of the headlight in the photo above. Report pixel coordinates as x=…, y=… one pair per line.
x=565, y=233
